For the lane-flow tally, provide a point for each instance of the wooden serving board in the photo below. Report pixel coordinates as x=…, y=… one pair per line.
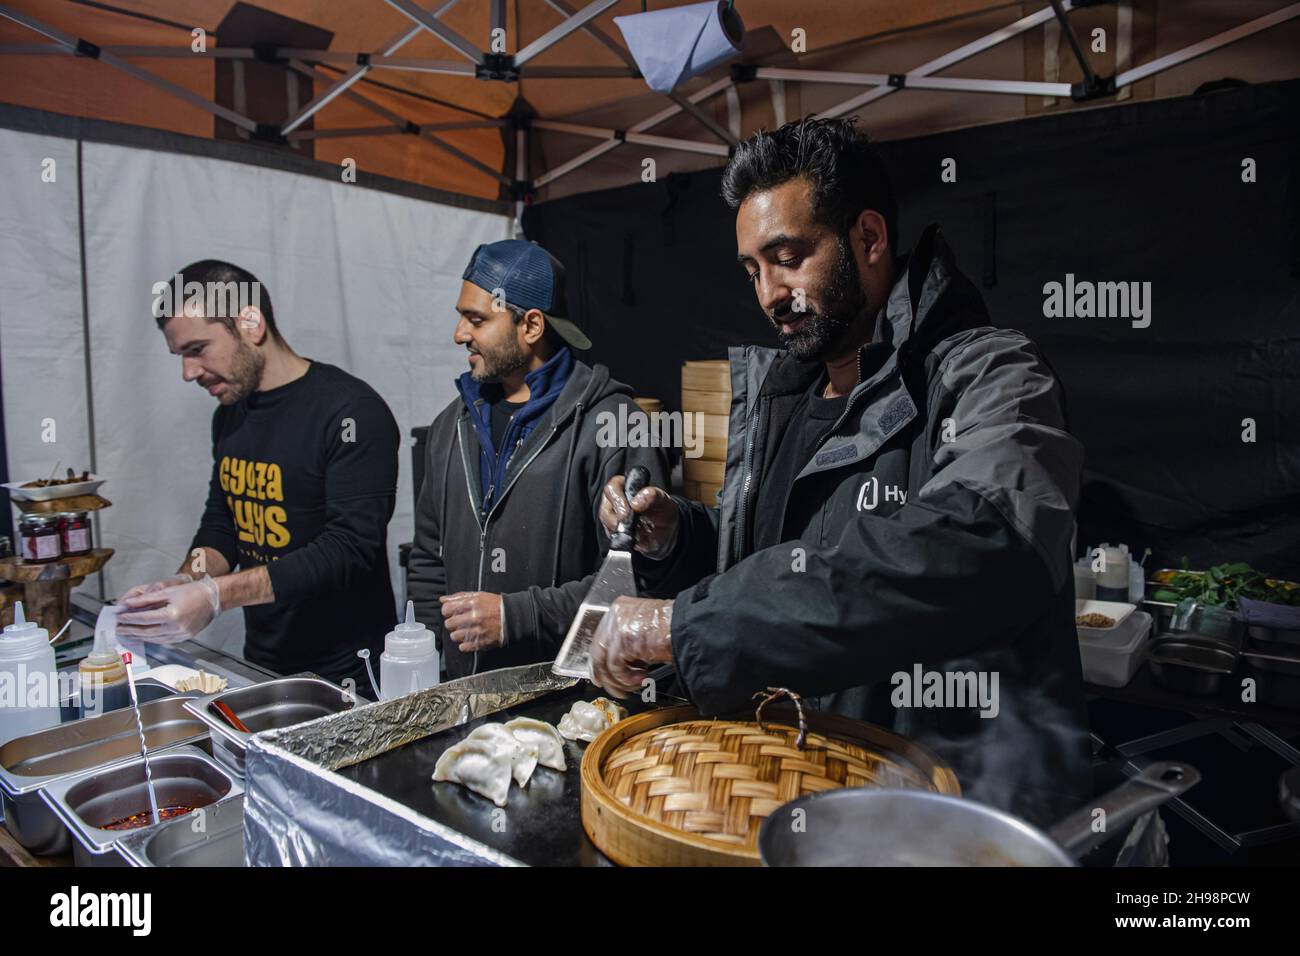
x=671, y=788
x=75, y=503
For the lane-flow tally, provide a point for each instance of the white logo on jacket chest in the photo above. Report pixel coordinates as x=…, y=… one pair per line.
x=870, y=494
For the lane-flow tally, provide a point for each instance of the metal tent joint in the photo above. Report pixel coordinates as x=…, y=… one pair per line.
x=1092, y=88
x=497, y=66
x=268, y=133
x=744, y=72
x=267, y=53
x=87, y=49
x=897, y=80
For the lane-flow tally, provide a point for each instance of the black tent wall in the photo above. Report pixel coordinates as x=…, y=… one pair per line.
x=1147, y=192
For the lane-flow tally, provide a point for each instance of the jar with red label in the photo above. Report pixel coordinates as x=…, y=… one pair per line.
x=41, y=539
x=75, y=527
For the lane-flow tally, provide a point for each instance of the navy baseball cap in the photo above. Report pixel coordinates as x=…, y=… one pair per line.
x=530, y=278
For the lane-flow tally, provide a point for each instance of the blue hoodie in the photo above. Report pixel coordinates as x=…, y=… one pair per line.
x=544, y=387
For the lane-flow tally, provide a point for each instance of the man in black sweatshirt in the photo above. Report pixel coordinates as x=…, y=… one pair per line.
x=304, y=478
x=507, y=536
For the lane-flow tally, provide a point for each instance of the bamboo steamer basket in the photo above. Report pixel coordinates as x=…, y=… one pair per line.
x=672, y=788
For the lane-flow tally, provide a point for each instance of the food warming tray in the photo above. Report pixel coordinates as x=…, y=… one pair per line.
x=176, y=842
x=181, y=776
x=269, y=705
x=30, y=764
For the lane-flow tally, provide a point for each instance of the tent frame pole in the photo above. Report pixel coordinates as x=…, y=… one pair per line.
x=407, y=125
x=327, y=95
x=85, y=48
x=577, y=162
x=443, y=32
x=561, y=30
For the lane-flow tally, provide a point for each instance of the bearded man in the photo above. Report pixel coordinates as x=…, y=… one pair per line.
x=894, y=531
x=304, y=479
x=507, y=533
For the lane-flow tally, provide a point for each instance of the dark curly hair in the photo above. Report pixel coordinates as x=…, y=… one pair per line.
x=842, y=164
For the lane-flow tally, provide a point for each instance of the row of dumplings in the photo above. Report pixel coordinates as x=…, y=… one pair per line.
x=494, y=754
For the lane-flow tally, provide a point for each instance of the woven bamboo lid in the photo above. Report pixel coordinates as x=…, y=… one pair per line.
x=671, y=788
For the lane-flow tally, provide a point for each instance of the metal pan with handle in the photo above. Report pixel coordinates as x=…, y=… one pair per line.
x=874, y=827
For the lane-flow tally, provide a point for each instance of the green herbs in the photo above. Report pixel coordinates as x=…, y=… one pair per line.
x=1223, y=584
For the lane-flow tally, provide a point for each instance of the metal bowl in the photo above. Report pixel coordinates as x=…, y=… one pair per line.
x=267, y=706
x=184, y=776
x=873, y=827
x=219, y=842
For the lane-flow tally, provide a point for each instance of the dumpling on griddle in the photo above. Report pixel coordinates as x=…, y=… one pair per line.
x=542, y=739
x=587, y=721
x=479, y=765
x=523, y=760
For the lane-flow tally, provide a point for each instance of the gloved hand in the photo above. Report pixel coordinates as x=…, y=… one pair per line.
x=172, y=614
x=633, y=633
x=473, y=619
x=156, y=586
x=657, y=520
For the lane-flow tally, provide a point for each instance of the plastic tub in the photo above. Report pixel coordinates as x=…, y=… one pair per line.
x=1110, y=657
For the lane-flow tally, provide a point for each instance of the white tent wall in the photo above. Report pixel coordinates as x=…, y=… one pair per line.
x=45, y=395
x=359, y=278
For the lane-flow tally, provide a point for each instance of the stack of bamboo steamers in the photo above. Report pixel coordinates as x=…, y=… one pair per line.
x=706, y=389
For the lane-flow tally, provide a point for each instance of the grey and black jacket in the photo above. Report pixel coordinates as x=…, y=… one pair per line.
x=541, y=543
x=945, y=543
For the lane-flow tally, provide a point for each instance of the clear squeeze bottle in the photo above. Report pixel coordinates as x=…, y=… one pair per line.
x=410, y=659
x=29, y=695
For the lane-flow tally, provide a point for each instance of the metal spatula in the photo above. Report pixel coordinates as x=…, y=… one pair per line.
x=613, y=580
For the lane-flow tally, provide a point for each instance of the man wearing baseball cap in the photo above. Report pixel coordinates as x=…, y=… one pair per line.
x=507, y=529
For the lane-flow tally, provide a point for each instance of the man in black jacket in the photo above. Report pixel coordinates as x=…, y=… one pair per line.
x=895, y=523
x=507, y=537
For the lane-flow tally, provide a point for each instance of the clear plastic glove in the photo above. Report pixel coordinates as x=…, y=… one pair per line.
x=172, y=581
x=633, y=634
x=473, y=619
x=172, y=614
x=657, y=520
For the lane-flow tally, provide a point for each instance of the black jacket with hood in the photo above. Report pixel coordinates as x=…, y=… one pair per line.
x=944, y=542
x=542, y=541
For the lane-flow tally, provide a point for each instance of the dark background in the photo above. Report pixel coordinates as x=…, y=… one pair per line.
x=1143, y=192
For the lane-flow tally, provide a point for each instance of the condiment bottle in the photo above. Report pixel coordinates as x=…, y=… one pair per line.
x=102, y=674
x=410, y=659
x=1112, y=579
x=27, y=705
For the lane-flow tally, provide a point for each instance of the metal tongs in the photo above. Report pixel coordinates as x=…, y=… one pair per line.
x=613, y=580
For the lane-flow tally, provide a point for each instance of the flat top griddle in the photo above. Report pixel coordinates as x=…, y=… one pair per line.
x=543, y=824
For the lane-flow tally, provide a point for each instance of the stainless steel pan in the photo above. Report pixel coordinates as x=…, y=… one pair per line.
x=874, y=827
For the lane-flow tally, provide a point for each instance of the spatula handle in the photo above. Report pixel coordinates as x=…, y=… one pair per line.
x=624, y=535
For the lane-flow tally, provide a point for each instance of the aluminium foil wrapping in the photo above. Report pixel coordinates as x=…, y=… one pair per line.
x=299, y=812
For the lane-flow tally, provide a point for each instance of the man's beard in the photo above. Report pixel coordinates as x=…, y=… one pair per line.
x=245, y=374
x=823, y=334
x=501, y=362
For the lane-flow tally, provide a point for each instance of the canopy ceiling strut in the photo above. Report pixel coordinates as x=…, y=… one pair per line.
x=505, y=67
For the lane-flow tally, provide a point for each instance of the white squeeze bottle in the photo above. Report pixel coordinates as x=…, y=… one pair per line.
x=26, y=704
x=410, y=659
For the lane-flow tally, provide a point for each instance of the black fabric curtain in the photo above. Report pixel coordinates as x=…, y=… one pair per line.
x=1148, y=192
